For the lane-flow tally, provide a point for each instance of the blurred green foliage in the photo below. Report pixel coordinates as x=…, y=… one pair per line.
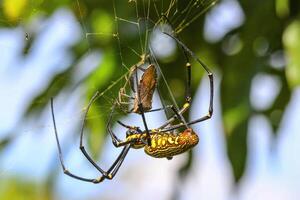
x=291, y=41
x=16, y=189
x=274, y=24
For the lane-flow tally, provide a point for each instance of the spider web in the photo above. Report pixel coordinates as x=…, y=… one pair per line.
x=131, y=36
x=134, y=37
x=117, y=37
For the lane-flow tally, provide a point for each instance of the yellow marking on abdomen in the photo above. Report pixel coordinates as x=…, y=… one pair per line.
x=169, y=145
x=153, y=144
x=176, y=140
x=159, y=142
x=170, y=140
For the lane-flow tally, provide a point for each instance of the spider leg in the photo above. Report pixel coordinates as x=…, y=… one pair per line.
x=122, y=93
x=127, y=96
x=188, y=65
x=188, y=98
x=209, y=74
x=115, y=140
x=130, y=82
x=177, y=115
x=134, y=128
x=130, y=127
x=133, y=70
x=124, y=101
x=158, y=109
x=81, y=146
x=109, y=174
x=65, y=170
x=140, y=105
x=174, y=127
x=112, y=171
x=145, y=123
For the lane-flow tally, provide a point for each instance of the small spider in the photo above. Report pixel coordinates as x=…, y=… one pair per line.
x=144, y=90
x=161, y=142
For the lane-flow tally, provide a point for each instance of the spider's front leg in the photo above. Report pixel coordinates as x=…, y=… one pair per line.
x=188, y=100
x=188, y=96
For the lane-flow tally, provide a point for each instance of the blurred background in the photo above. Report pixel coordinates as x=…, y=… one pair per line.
x=71, y=49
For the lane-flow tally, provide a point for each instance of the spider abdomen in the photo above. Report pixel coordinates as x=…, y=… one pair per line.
x=166, y=145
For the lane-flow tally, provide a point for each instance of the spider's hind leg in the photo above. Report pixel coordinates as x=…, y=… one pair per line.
x=109, y=174
x=65, y=170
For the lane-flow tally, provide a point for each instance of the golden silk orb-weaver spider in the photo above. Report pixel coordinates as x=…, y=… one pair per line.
x=161, y=142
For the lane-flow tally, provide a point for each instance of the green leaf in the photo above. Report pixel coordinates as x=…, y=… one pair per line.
x=282, y=8
x=291, y=41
